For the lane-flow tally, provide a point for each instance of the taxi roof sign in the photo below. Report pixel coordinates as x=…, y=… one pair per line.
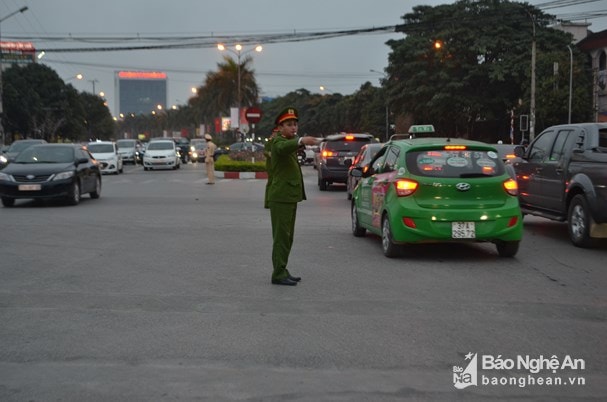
x=421, y=128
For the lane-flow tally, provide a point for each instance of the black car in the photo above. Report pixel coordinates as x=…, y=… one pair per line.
x=16, y=147
x=64, y=171
x=183, y=146
x=364, y=156
x=336, y=156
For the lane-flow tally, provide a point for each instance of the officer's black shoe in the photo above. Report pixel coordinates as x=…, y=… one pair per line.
x=294, y=278
x=285, y=281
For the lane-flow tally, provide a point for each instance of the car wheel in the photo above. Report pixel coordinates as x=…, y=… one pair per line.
x=389, y=248
x=74, y=197
x=357, y=230
x=322, y=184
x=8, y=202
x=507, y=248
x=578, y=222
x=96, y=193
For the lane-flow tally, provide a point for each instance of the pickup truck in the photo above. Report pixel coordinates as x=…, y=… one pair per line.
x=562, y=175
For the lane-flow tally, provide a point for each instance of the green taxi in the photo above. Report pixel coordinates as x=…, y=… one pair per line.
x=424, y=190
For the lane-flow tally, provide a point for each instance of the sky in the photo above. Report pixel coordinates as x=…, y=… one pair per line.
x=340, y=65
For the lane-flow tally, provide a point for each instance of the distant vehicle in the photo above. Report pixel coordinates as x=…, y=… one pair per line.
x=51, y=171
x=428, y=190
x=562, y=176
x=18, y=146
x=364, y=156
x=127, y=150
x=183, y=147
x=336, y=154
x=198, y=151
x=506, y=151
x=106, y=153
x=246, y=146
x=161, y=154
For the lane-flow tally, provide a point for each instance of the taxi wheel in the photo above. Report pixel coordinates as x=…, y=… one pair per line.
x=507, y=248
x=388, y=246
x=356, y=229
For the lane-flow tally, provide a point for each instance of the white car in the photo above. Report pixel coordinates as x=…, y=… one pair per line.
x=106, y=153
x=128, y=150
x=161, y=154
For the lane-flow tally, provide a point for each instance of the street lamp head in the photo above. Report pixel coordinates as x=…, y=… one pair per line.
x=238, y=47
x=258, y=48
x=221, y=47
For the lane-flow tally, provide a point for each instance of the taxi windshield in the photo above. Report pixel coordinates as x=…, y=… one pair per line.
x=455, y=163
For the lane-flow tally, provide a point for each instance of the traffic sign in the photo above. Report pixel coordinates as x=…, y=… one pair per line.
x=253, y=115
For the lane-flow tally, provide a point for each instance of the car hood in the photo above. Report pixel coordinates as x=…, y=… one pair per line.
x=159, y=152
x=22, y=169
x=103, y=155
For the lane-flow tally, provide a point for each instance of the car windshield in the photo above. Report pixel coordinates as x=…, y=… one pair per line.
x=125, y=144
x=20, y=146
x=160, y=145
x=101, y=148
x=455, y=163
x=346, y=145
x=48, y=154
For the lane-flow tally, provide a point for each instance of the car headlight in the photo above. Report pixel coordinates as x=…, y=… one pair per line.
x=3, y=159
x=6, y=177
x=63, y=175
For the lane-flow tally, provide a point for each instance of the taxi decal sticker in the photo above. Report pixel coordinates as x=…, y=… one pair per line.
x=492, y=155
x=457, y=161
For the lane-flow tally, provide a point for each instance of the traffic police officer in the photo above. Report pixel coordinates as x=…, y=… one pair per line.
x=285, y=190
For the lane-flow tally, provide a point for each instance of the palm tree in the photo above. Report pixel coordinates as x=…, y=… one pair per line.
x=221, y=87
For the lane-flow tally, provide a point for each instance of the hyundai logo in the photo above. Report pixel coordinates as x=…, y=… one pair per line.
x=462, y=186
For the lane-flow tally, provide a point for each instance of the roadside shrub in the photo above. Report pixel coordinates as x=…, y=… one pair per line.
x=226, y=164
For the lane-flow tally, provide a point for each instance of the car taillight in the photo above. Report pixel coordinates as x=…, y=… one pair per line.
x=511, y=187
x=405, y=187
x=455, y=147
x=327, y=153
x=349, y=137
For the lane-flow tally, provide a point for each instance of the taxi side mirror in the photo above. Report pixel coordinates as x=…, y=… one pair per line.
x=357, y=172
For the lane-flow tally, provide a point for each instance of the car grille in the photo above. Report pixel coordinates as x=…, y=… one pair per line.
x=35, y=179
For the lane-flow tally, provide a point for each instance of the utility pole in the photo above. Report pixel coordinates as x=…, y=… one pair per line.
x=532, y=102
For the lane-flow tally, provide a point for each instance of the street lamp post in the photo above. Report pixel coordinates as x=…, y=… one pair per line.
x=21, y=10
x=239, y=53
x=387, y=106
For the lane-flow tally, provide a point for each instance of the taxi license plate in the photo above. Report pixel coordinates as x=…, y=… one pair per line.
x=463, y=230
x=29, y=187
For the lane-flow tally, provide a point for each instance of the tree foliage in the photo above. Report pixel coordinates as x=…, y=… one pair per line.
x=38, y=104
x=481, y=70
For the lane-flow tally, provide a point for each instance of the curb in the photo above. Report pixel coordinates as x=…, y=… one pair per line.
x=241, y=175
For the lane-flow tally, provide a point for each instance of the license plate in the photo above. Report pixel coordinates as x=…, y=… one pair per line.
x=463, y=230
x=29, y=187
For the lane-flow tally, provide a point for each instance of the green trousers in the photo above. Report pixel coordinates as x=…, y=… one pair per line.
x=282, y=215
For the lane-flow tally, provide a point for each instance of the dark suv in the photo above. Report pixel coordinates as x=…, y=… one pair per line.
x=336, y=156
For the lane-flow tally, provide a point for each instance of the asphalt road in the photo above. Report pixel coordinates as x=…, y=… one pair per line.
x=160, y=290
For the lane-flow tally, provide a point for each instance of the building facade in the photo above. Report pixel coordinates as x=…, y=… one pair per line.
x=140, y=92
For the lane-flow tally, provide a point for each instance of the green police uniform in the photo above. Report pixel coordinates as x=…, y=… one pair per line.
x=285, y=190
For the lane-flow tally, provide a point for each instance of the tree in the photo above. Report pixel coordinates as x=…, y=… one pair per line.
x=478, y=72
x=39, y=104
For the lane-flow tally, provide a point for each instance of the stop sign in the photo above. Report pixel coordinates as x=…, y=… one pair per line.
x=253, y=115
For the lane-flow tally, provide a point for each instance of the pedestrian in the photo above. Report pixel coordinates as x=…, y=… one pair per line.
x=285, y=190
x=209, y=158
